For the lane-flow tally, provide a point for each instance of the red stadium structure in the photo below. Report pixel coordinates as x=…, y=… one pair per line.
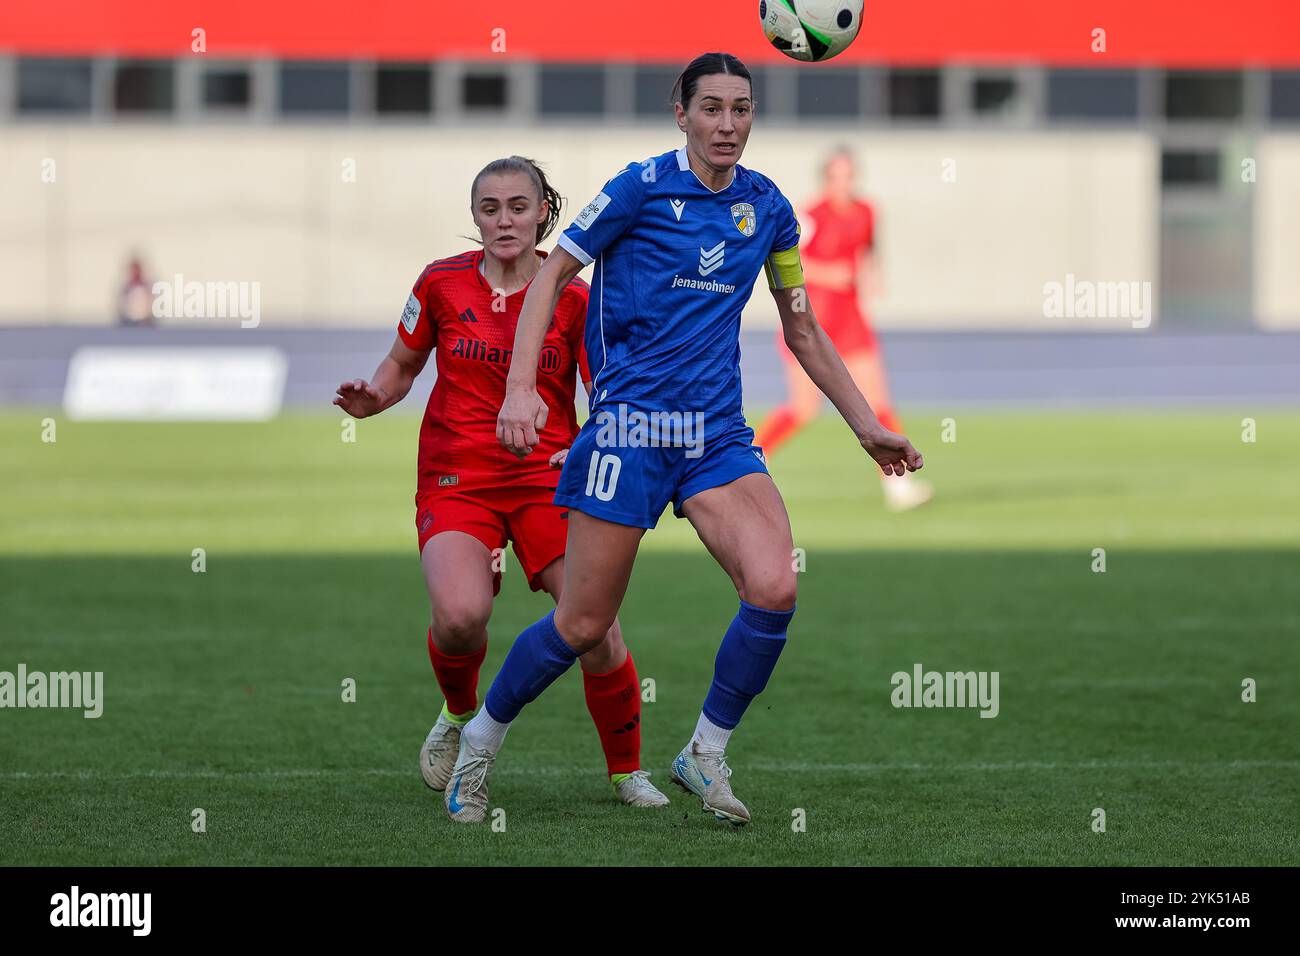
x=1172, y=33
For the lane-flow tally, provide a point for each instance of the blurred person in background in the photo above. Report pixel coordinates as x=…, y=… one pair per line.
x=838, y=247
x=135, y=298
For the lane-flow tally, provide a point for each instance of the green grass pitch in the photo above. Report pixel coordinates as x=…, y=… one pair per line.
x=1118, y=690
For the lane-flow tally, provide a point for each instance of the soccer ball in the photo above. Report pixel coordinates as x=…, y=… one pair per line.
x=810, y=29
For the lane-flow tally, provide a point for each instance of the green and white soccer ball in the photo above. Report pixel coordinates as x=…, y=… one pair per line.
x=810, y=29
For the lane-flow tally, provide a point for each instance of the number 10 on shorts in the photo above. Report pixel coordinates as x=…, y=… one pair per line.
x=602, y=476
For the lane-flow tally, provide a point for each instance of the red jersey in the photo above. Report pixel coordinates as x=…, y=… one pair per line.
x=840, y=236
x=450, y=311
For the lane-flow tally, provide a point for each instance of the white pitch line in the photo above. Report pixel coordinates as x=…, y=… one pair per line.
x=765, y=766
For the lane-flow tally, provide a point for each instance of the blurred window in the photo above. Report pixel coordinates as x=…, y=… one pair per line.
x=914, y=93
x=994, y=95
x=144, y=87
x=227, y=88
x=307, y=87
x=54, y=86
x=1092, y=94
x=1284, y=96
x=404, y=88
x=571, y=89
x=654, y=89
x=484, y=91
x=1202, y=95
x=828, y=91
x=1190, y=168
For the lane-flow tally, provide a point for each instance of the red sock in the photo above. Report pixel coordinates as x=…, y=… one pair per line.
x=457, y=676
x=614, y=700
x=776, y=430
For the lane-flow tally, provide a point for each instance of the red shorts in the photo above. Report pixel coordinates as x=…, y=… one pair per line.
x=526, y=517
x=838, y=314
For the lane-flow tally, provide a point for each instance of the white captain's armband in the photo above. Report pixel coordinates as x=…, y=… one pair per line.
x=784, y=269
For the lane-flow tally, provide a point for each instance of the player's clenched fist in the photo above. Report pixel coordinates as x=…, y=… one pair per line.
x=522, y=416
x=359, y=398
x=893, y=453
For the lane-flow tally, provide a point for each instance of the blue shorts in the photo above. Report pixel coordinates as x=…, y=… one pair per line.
x=631, y=482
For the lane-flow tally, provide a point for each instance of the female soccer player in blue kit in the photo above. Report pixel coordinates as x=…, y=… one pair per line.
x=678, y=241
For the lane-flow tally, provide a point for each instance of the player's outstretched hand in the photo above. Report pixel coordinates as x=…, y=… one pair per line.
x=359, y=398
x=559, y=458
x=522, y=416
x=893, y=453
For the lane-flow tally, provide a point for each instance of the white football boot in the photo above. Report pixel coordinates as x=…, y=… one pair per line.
x=438, y=755
x=466, y=797
x=903, y=492
x=707, y=776
x=636, y=790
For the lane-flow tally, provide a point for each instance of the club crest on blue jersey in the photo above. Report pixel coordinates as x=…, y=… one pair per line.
x=742, y=214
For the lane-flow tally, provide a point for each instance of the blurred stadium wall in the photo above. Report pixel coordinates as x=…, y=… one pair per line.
x=272, y=205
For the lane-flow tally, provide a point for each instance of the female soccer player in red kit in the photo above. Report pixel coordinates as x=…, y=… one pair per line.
x=838, y=243
x=472, y=494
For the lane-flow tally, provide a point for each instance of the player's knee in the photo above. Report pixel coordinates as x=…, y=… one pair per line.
x=772, y=590
x=614, y=641
x=582, y=630
x=603, y=657
x=599, y=660
x=458, y=625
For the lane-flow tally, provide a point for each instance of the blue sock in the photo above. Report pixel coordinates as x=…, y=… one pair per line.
x=538, y=656
x=745, y=661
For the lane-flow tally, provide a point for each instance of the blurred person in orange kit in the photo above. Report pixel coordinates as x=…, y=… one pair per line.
x=838, y=247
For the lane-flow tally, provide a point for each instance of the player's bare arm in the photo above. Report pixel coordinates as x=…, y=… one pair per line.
x=388, y=386
x=523, y=413
x=812, y=347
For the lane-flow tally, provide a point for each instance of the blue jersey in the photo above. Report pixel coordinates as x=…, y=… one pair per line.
x=675, y=264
